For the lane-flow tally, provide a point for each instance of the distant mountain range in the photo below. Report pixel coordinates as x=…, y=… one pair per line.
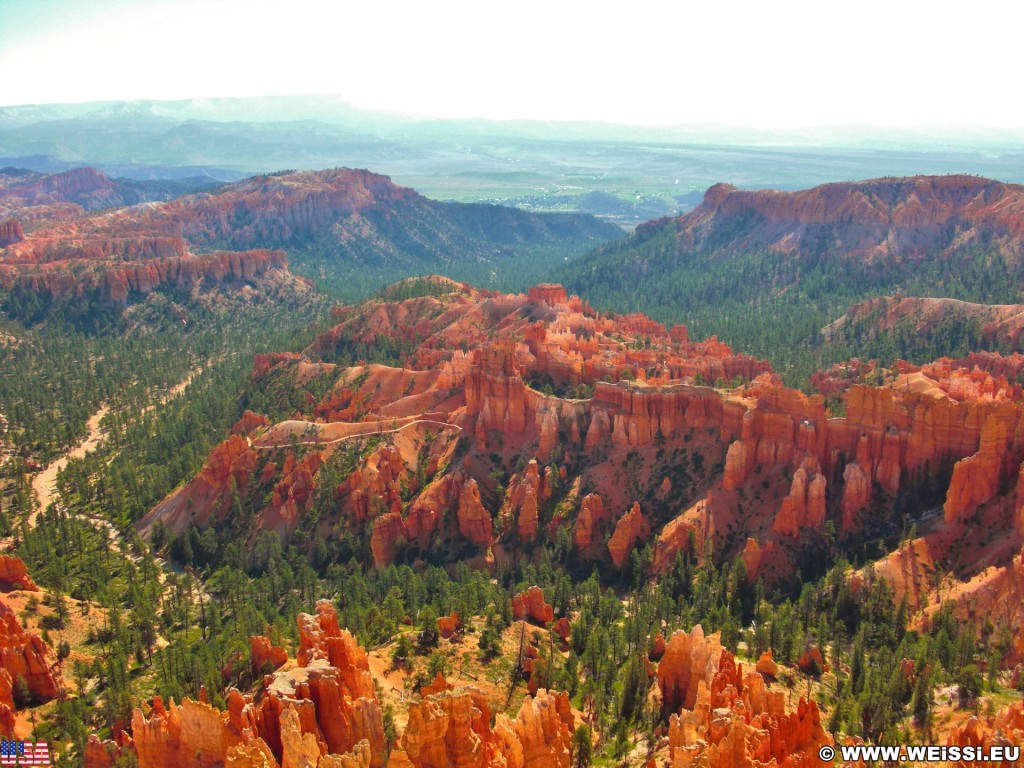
x=355, y=224
x=768, y=269
x=540, y=165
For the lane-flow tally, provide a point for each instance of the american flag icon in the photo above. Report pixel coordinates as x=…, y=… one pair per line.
x=24, y=753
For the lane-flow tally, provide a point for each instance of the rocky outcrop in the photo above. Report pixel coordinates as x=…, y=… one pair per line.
x=591, y=515
x=388, y=534
x=531, y=606
x=10, y=232
x=453, y=729
x=322, y=713
x=264, y=656
x=856, y=494
x=208, y=496
x=904, y=218
x=25, y=655
x=754, y=461
x=721, y=715
x=474, y=521
x=738, y=462
x=689, y=660
x=976, y=478
x=812, y=662
x=521, y=502
x=114, y=269
x=1006, y=729
x=551, y=294
x=7, y=707
x=631, y=528
x=766, y=664
x=14, y=573
x=191, y=734
x=804, y=508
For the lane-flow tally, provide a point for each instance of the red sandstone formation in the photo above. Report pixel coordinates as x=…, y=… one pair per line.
x=720, y=715
x=1005, y=729
x=658, y=649
x=812, y=662
x=898, y=218
x=976, y=478
x=264, y=653
x=249, y=423
x=563, y=631
x=25, y=655
x=14, y=574
x=766, y=665
x=206, y=498
x=474, y=521
x=140, y=266
x=77, y=188
x=453, y=728
x=438, y=685
x=805, y=505
x=322, y=713
x=7, y=708
x=551, y=294
x=11, y=232
x=144, y=248
x=531, y=605
x=591, y=515
x=521, y=502
x=631, y=528
x=773, y=465
x=689, y=660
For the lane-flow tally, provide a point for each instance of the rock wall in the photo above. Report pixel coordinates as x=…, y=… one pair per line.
x=14, y=573
x=452, y=730
x=722, y=716
x=24, y=654
x=322, y=713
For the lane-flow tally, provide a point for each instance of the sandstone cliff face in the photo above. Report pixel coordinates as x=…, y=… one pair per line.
x=321, y=714
x=14, y=573
x=976, y=478
x=474, y=521
x=264, y=654
x=453, y=728
x=870, y=219
x=805, y=505
x=11, y=232
x=1005, y=729
x=723, y=716
x=591, y=515
x=631, y=528
x=689, y=660
x=139, y=266
x=531, y=605
x=758, y=461
x=24, y=654
x=144, y=248
x=7, y=707
x=521, y=502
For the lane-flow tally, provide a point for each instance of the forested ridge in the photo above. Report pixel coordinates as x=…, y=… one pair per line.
x=774, y=305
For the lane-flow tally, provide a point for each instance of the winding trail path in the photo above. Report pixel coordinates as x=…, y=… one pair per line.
x=44, y=485
x=372, y=428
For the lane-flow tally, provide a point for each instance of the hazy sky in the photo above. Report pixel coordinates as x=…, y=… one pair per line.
x=762, y=63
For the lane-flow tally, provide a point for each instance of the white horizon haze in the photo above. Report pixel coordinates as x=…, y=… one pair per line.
x=791, y=64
